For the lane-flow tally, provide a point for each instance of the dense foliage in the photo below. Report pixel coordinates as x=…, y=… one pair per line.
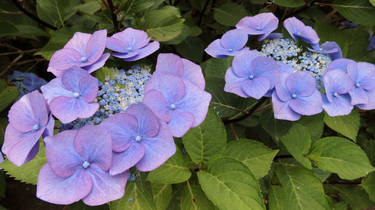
x=244, y=155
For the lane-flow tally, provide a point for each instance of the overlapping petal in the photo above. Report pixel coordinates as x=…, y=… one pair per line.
x=262, y=24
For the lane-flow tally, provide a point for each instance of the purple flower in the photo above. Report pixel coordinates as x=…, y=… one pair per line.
x=83, y=50
x=251, y=75
x=131, y=44
x=262, y=24
x=230, y=44
x=29, y=119
x=296, y=95
x=297, y=29
x=77, y=168
x=71, y=96
x=30, y=82
x=138, y=138
x=336, y=100
x=179, y=103
x=183, y=68
x=332, y=49
x=363, y=77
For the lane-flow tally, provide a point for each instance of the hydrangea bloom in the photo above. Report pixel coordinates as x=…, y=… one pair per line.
x=77, y=168
x=251, y=75
x=139, y=138
x=83, y=50
x=297, y=29
x=131, y=44
x=72, y=95
x=29, y=119
x=262, y=24
x=26, y=82
x=230, y=44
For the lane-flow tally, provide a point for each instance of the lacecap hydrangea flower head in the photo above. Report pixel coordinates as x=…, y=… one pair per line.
x=106, y=126
x=300, y=80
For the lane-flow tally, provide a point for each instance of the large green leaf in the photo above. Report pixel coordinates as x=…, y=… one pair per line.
x=55, y=12
x=230, y=185
x=193, y=198
x=358, y=11
x=372, y=2
x=341, y=156
x=276, y=197
x=7, y=94
x=301, y=190
x=192, y=48
x=314, y=125
x=353, y=195
x=369, y=185
x=289, y=3
x=162, y=195
x=275, y=128
x=255, y=155
x=298, y=141
x=175, y=170
x=229, y=13
x=28, y=172
x=206, y=141
x=347, y=125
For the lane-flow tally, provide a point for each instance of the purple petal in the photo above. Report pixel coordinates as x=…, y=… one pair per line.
x=371, y=101
x=132, y=38
x=337, y=81
x=116, y=45
x=157, y=149
x=49, y=127
x=341, y=63
x=72, y=77
x=301, y=83
x=282, y=90
x=282, y=111
x=79, y=42
x=144, y=52
x=233, y=84
x=309, y=105
x=359, y=96
x=262, y=24
x=196, y=102
x=263, y=67
x=180, y=123
x=340, y=105
x=216, y=50
x=172, y=87
x=105, y=188
x=122, y=128
x=332, y=49
x=126, y=55
x=123, y=161
x=95, y=46
x=297, y=29
x=193, y=73
x=62, y=60
x=63, y=191
x=364, y=74
x=53, y=89
x=156, y=101
x=271, y=36
x=67, y=109
x=98, y=64
x=285, y=68
x=148, y=123
x=242, y=63
x=170, y=63
x=94, y=144
x=234, y=40
x=88, y=88
x=61, y=155
x=257, y=87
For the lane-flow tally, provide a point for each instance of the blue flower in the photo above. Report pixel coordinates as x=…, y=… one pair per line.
x=262, y=24
x=231, y=43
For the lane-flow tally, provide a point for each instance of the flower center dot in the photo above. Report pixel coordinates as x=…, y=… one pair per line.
x=76, y=95
x=36, y=127
x=335, y=94
x=173, y=106
x=357, y=85
x=130, y=48
x=83, y=59
x=294, y=95
x=251, y=76
x=85, y=164
x=138, y=138
x=230, y=50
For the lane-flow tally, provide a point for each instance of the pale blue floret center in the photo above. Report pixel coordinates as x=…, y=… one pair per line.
x=173, y=106
x=230, y=50
x=85, y=164
x=76, y=95
x=36, y=127
x=294, y=95
x=138, y=138
x=335, y=94
x=357, y=85
x=251, y=77
x=130, y=48
x=84, y=59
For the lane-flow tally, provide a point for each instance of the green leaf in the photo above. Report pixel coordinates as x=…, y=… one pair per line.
x=28, y=172
x=253, y=154
x=193, y=198
x=162, y=195
x=206, y=141
x=229, y=13
x=7, y=95
x=338, y=155
x=192, y=48
x=175, y=170
x=163, y=24
x=354, y=195
x=300, y=189
x=347, y=125
x=230, y=185
x=275, y=128
x=276, y=197
x=298, y=141
x=314, y=125
x=369, y=185
x=358, y=11
x=372, y=2
x=289, y=3
x=7, y=29
x=89, y=7
x=137, y=197
x=55, y=12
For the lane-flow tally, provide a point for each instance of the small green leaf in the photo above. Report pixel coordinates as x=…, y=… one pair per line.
x=192, y=48
x=298, y=141
x=7, y=29
x=229, y=13
x=255, y=155
x=193, y=198
x=28, y=172
x=369, y=185
x=314, y=125
x=358, y=11
x=8, y=94
x=230, y=185
x=300, y=188
x=289, y=3
x=55, y=12
x=89, y=7
x=206, y=141
x=275, y=128
x=372, y=2
x=162, y=195
x=175, y=170
x=341, y=156
x=347, y=125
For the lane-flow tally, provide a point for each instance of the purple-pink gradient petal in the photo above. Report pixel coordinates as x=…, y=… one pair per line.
x=156, y=101
x=193, y=73
x=180, y=123
x=172, y=87
x=95, y=47
x=123, y=161
x=256, y=88
x=309, y=105
x=282, y=111
x=231, y=43
x=301, y=83
x=297, y=29
x=148, y=123
x=170, y=63
x=340, y=105
x=336, y=82
x=233, y=83
x=67, y=109
x=262, y=24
